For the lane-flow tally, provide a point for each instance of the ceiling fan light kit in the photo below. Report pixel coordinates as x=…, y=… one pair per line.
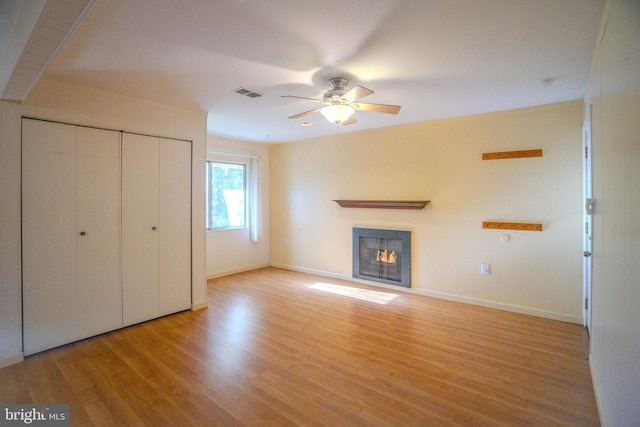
x=340, y=104
x=337, y=113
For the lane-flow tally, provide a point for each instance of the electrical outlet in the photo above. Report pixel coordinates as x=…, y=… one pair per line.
x=485, y=269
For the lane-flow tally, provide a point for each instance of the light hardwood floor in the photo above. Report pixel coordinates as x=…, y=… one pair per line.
x=273, y=351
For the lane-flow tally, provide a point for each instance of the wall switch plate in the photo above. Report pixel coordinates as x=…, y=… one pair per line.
x=485, y=269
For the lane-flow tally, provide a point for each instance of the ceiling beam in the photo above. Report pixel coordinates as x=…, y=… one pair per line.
x=34, y=32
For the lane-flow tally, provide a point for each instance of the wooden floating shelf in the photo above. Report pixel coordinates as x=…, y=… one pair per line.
x=496, y=225
x=511, y=154
x=383, y=204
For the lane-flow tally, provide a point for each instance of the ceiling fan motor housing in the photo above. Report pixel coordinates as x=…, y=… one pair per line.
x=333, y=96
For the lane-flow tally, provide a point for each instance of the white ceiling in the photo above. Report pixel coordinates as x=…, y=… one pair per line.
x=435, y=58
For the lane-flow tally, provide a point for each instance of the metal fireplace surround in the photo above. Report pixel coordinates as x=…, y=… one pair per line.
x=382, y=255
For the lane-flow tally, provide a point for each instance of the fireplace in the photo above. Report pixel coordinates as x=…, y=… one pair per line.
x=382, y=256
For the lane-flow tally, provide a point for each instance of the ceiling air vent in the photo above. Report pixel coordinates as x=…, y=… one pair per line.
x=247, y=92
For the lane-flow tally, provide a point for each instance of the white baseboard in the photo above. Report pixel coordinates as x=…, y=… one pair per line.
x=596, y=391
x=199, y=305
x=503, y=306
x=239, y=270
x=11, y=360
x=441, y=295
x=313, y=271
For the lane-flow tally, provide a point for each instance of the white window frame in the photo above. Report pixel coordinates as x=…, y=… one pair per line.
x=208, y=193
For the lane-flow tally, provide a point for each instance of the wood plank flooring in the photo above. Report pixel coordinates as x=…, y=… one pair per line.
x=273, y=351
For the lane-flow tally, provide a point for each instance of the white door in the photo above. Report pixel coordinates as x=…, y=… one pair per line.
x=71, y=233
x=99, y=292
x=156, y=215
x=588, y=210
x=140, y=228
x=175, y=226
x=48, y=235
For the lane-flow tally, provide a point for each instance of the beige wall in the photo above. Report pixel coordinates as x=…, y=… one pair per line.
x=232, y=251
x=535, y=272
x=614, y=91
x=64, y=102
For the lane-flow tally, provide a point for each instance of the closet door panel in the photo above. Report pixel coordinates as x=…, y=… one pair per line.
x=98, y=231
x=175, y=226
x=140, y=228
x=48, y=235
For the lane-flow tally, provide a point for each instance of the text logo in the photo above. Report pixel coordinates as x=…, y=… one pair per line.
x=34, y=415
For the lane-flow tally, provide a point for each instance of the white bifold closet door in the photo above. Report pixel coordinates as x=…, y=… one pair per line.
x=70, y=233
x=156, y=238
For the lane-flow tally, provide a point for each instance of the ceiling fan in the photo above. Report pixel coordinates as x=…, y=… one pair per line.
x=340, y=104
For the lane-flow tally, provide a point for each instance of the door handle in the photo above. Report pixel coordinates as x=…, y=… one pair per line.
x=587, y=254
x=83, y=233
x=154, y=228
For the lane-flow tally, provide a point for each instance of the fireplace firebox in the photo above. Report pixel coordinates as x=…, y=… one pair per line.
x=382, y=256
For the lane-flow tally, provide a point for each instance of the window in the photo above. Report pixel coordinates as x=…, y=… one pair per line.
x=226, y=195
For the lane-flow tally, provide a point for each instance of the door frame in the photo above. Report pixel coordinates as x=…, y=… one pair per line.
x=588, y=210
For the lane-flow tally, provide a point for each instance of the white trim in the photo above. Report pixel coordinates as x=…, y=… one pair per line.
x=239, y=270
x=312, y=271
x=596, y=388
x=252, y=188
x=199, y=305
x=232, y=154
x=11, y=360
x=441, y=295
x=503, y=306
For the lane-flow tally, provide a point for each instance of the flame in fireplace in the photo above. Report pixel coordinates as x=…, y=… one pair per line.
x=386, y=256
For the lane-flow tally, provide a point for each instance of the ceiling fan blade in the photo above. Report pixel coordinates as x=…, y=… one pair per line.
x=302, y=97
x=378, y=108
x=351, y=120
x=357, y=93
x=315, y=110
